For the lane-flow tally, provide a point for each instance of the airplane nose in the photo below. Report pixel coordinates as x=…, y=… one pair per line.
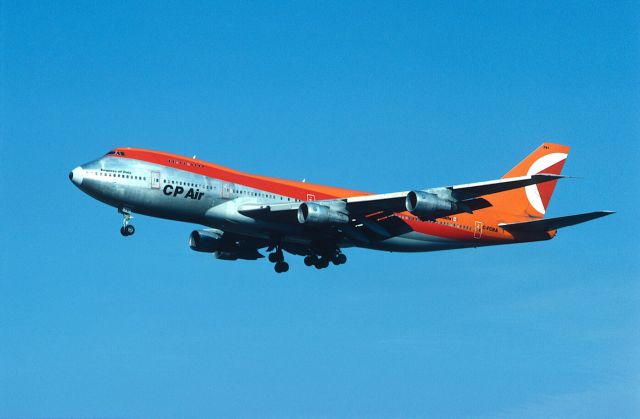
x=75, y=176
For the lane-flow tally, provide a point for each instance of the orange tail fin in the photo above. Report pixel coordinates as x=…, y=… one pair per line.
x=531, y=201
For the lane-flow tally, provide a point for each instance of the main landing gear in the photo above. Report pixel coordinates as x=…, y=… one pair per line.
x=277, y=257
x=126, y=229
x=320, y=261
x=338, y=258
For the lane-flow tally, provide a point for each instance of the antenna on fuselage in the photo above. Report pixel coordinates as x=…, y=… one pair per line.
x=194, y=157
x=304, y=180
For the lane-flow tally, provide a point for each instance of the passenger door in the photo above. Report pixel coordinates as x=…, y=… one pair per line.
x=477, y=231
x=227, y=190
x=155, y=180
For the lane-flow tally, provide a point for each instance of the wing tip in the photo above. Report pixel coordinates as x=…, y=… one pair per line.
x=550, y=176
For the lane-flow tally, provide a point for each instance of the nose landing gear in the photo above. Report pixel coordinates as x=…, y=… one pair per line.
x=126, y=229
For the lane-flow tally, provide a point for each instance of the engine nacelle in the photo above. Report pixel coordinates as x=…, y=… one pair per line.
x=225, y=255
x=212, y=241
x=428, y=205
x=238, y=253
x=208, y=241
x=312, y=213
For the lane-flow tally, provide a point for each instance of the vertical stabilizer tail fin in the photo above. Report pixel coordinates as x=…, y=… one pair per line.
x=531, y=202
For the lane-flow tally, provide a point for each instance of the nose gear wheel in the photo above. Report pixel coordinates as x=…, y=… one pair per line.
x=126, y=229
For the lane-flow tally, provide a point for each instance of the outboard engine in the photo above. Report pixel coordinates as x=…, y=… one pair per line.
x=428, y=205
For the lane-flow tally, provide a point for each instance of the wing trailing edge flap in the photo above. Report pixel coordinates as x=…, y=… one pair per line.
x=548, y=224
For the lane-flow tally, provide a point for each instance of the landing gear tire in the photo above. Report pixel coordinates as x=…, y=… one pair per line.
x=322, y=263
x=276, y=257
x=339, y=259
x=127, y=230
x=310, y=260
x=281, y=267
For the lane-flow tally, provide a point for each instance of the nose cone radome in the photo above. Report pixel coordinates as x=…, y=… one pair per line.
x=76, y=176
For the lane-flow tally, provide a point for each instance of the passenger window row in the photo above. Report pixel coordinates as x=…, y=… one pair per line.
x=120, y=175
x=189, y=184
x=261, y=194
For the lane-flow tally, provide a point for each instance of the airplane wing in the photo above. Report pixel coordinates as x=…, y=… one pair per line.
x=474, y=190
x=468, y=198
x=548, y=224
x=370, y=218
x=470, y=194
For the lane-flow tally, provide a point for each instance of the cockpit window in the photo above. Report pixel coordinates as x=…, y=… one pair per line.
x=115, y=153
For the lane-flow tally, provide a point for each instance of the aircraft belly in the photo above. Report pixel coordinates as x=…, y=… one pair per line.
x=417, y=242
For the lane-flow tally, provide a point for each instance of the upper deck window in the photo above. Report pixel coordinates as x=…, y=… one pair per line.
x=185, y=163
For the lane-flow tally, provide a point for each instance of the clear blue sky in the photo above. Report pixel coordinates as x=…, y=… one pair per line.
x=371, y=96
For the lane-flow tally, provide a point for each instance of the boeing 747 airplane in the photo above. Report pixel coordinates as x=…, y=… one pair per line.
x=244, y=213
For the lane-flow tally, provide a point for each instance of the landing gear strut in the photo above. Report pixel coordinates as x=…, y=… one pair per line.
x=277, y=257
x=126, y=229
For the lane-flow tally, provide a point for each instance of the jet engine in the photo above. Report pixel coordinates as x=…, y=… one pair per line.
x=428, y=205
x=246, y=254
x=208, y=241
x=213, y=241
x=312, y=213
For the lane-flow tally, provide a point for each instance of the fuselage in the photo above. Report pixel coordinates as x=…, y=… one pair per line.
x=186, y=189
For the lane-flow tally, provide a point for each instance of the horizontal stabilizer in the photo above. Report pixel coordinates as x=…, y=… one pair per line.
x=549, y=224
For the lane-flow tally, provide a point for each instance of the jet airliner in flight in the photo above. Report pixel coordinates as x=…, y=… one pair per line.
x=244, y=213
